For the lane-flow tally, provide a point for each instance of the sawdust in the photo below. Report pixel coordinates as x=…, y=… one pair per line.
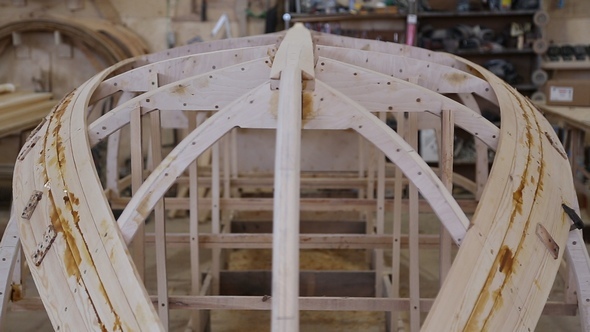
x=319, y=260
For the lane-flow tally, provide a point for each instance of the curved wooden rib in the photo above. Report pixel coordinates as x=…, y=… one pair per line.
x=90, y=251
x=177, y=69
x=509, y=270
x=379, y=92
x=446, y=80
x=509, y=264
x=391, y=48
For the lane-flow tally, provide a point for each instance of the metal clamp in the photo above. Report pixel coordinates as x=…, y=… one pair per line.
x=577, y=221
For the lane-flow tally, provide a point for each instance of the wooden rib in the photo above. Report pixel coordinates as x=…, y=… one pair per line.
x=210, y=46
x=121, y=268
x=380, y=92
x=177, y=69
x=208, y=91
x=498, y=242
x=182, y=155
x=366, y=124
x=391, y=48
x=69, y=293
x=430, y=75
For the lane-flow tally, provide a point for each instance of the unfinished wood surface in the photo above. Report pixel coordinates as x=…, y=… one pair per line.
x=23, y=110
x=292, y=64
x=504, y=244
x=52, y=45
x=8, y=261
x=509, y=263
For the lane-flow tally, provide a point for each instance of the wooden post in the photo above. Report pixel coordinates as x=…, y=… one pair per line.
x=446, y=174
x=160, y=224
x=414, y=218
x=397, y=222
x=361, y=171
x=481, y=149
x=215, y=217
x=112, y=160
x=195, y=321
x=380, y=226
x=137, y=247
x=9, y=253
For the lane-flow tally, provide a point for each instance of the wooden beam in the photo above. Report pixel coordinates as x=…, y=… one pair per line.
x=308, y=241
x=293, y=61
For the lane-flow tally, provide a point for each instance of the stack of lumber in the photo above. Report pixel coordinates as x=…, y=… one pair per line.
x=23, y=110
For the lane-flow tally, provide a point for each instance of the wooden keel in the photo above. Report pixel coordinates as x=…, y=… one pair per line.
x=292, y=59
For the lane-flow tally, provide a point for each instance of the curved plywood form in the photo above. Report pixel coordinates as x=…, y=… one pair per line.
x=505, y=265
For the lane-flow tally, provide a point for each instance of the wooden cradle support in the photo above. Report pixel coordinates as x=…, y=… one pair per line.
x=305, y=83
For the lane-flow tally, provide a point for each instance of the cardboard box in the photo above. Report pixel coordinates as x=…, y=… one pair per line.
x=568, y=92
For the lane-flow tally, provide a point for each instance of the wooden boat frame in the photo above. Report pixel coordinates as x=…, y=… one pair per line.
x=513, y=244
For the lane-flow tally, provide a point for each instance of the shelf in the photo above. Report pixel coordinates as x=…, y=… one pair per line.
x=309, y=18
x=507, y=51
x=305, y=18
x=525, y=87
x=566, y=65
x=445, y=14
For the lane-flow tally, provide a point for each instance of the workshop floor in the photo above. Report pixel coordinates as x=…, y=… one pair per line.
x=37, y=321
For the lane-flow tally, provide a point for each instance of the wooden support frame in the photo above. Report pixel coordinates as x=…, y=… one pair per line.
x=243, y=94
